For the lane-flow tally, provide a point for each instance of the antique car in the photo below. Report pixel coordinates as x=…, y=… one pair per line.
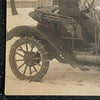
x=55, y=37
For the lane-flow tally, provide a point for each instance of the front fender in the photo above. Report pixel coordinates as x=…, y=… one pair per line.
x=22, y=31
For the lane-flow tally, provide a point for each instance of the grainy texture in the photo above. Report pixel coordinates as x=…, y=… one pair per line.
x=2, y=56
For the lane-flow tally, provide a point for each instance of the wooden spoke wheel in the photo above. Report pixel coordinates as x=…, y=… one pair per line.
x=29, y=59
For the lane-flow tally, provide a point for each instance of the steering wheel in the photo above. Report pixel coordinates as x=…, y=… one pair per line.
x=88, y=3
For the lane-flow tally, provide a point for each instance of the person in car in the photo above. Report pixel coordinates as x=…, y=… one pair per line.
x=69, y=7
x=77, y=10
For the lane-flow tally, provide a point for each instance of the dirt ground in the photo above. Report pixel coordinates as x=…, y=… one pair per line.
x=61, y=79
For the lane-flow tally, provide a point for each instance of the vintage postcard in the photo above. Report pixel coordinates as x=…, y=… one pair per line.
x=53, y=47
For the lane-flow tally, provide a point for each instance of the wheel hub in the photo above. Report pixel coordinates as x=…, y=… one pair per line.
x=29, y=58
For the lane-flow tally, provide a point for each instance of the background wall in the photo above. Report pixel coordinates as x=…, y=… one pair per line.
x=29, y=3
x=23, y=3
x=35, y=3
x=97, y=2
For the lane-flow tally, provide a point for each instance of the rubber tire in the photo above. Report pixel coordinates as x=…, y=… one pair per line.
x=13, y=65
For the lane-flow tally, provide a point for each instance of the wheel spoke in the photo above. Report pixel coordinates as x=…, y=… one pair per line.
x=36, y=58
x=19, y=54
x=32, y=48
x=37, y=63
x=30, y=70
x=20, y=66
x=21, y=49
x=35, y=53
x=34, y=68
x=20, y=60
x=26, y=47
x=25, y=70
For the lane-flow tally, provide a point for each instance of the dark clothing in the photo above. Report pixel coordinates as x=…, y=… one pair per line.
x=69, y=7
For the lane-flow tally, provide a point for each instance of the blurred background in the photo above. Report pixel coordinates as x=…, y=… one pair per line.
x=13, y=4
x=35, y=3
x=30, y=3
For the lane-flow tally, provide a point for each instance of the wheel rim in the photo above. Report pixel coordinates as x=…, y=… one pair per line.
x=28, y=59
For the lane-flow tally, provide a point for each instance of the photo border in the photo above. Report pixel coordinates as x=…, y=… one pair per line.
x=2, y=67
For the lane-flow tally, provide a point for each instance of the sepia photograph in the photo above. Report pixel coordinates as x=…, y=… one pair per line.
x=53, y=47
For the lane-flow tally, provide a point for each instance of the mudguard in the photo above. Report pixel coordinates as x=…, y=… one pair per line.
x=54, y=41
x=22, y=31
